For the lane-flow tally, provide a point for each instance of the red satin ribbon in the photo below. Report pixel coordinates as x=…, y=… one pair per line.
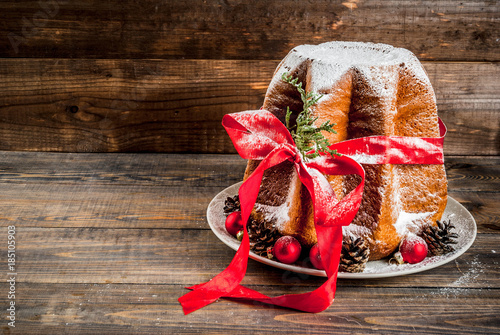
x=259, y=135
x=395, y=149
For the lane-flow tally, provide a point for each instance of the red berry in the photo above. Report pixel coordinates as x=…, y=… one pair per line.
x=234, y=223
x=315, y=257
x=413, y=249
x=287, y=249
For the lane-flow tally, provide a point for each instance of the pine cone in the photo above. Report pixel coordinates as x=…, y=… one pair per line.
x=439, y=238
x=232, y=204
x=355, y=253
x=262, y=236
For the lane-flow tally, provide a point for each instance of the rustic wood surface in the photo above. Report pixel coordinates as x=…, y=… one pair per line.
x=244, y=29
x=161, y=106
x=106, y=243
x=130, y=94
x=157, y=76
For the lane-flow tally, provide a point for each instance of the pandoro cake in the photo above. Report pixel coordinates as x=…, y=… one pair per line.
x=368, y=89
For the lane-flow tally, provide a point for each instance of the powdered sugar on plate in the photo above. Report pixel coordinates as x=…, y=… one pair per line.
x=464, y=223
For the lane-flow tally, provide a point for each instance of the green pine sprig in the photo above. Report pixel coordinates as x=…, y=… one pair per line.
x=308, y=138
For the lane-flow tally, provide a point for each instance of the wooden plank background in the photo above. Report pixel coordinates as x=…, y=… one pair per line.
x=107, y=243
x=97, y=191
x=157, y=76
x=244, y=29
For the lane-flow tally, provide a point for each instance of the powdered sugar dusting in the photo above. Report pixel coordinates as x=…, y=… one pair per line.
x=409, y=222
x=471, y=275
x=355, y=231
x=367, y=159
x=384, y=266
x=382, y=79
x=329, y=62
x=277, y=214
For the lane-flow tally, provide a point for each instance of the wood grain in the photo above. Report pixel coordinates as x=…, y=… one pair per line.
x=434, y=30
x=106, y=243
x=191, y=256
x=177, y=106
x=171, y=190
x=464, y=173
x=147, y=309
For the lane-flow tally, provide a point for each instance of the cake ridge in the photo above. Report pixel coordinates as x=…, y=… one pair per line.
x=368, y=89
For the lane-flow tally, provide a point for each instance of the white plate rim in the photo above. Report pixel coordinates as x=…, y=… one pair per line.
x=215, y=214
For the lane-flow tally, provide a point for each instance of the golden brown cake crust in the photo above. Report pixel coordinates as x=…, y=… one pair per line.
x=369, y=89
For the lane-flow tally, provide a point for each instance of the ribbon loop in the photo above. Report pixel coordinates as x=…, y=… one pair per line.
x=256, y=133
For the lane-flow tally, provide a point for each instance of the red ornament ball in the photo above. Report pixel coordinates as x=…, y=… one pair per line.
x=413, y=249
x=234, y=223
x=287, y=249
x=315, y=257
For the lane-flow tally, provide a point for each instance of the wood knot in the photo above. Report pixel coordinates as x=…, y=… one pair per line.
x=72, y=109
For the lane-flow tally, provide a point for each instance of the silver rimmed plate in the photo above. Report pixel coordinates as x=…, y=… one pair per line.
x=464, y=223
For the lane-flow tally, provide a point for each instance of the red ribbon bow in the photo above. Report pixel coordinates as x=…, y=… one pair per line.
x=259, y=135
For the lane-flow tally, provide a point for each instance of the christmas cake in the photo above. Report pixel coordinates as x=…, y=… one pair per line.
x=366, y=89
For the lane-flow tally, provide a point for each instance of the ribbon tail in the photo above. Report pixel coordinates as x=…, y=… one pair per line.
x=228, y=280
x=321, y=298
x=224, y=282
x=329, y=233
x=314, y=302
